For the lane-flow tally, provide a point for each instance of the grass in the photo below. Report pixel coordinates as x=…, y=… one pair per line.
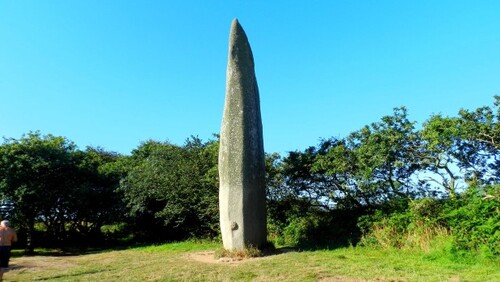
x=177, y=262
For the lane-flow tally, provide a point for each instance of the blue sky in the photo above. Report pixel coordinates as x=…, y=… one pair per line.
x=116, y=73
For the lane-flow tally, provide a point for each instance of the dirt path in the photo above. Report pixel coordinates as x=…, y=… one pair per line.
x=209, y=257
x=40, y=263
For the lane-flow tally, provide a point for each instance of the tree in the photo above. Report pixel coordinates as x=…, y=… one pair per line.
x=481, y=130
x=36, y=174
x=373, y=164
x=174, y=189
x=304, y=179
x=49, y=181
x=442, y=150
x=94, y=201
x=457, y=150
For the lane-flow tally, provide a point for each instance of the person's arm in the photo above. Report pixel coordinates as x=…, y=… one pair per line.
x=14, y=236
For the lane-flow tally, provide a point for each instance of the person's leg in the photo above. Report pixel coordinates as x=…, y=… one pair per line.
x=7, y=259
x=4, y=256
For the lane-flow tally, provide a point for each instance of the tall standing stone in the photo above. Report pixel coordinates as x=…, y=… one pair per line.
x=242, y=196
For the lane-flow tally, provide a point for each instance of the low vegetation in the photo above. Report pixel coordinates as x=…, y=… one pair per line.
x=250, y=252
x=463, y=227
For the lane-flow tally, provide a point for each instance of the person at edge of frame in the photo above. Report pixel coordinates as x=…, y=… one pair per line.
x=7, y=237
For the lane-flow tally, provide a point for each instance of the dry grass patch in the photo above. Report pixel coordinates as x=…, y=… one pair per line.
x=250, y=252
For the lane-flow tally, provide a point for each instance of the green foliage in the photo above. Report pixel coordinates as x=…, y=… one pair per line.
x=403, y=231
x=370, y=166
x=50, y=181
x=474, y=221
x=311, y=227
x=118, y=232
x=280, y=212
x=386, y=157
x=463, y=149
x=481, y=129
x=411, y=183
x=172, y=191
x=300, y=231
x=95, y=200
x=469, y=224
x=397, y=172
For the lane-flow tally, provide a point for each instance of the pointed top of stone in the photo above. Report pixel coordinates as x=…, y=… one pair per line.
x=239, y=47
x=235, y=25
x=235, y=21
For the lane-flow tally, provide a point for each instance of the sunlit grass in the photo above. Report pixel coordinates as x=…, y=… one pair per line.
x=174, y=262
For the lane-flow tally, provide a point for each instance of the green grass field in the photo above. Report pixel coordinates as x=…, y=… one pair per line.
x=194, y=261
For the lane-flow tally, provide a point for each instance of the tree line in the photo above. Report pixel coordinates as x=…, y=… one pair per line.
x=335, y=192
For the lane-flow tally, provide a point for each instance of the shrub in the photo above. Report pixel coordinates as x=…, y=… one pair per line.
x=299, y=231
x=403, y=231
x=474, y=220
x=468, y=224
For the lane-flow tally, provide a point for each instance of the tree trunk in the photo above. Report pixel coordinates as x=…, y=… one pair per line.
x=29, y=249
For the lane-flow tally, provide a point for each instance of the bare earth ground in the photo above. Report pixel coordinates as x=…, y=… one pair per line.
x=35, y=262
x=209, y=257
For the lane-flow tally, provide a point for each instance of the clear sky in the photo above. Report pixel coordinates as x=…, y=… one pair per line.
x=116, y=73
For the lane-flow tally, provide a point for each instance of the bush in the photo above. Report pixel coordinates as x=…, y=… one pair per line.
x=317, y=229
x=300, y=231
x=468, y=224
x=404, y=230
x=474, y=220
